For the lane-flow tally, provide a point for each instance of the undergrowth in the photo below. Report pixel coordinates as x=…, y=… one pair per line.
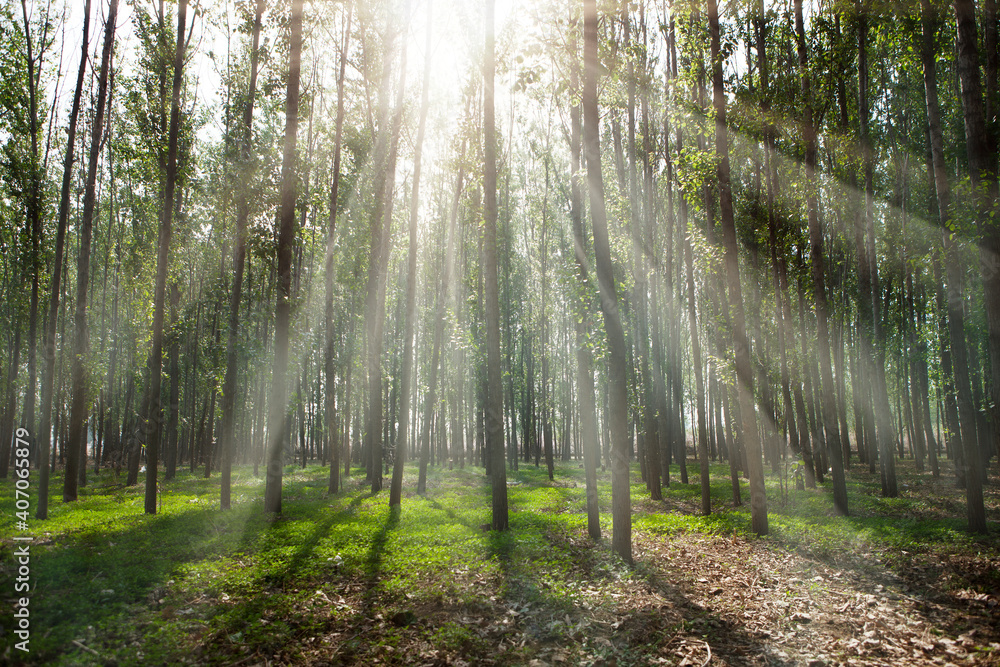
x=195, y=584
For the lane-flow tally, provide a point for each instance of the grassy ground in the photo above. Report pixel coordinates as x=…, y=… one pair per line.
x=342, y=580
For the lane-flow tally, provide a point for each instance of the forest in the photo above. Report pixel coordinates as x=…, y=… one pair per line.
x=500, y=332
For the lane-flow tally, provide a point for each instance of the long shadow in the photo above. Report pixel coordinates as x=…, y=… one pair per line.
x=373, y=559
x=96, y=576
x=501, y=545
x=297, y=571
x=639, y=627
x=74, y=585
x=692, y=622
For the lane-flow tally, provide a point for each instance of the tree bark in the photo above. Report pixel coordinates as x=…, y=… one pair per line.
x=955, y=296
x=80, y=407
x=494, y=397
x=34, y=211
x=981, y=151
x=396, y=487
x=329, y=370
x=286, y=237
x=154, y=417
x=229, y=388
x=741, y=348
x=621, y=510
x=584, y=358
x=826, y=389
x=49, y=342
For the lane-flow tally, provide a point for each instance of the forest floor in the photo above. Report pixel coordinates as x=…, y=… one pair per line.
x=341, y=580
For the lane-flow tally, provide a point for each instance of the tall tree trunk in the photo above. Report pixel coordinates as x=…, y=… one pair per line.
x=396, y=487
x=49, y=341
x=841, y=382
x=826, y=389
x=915, y=404
x=981, y=150
x=286, y=237
x=154, y=417
x=329, y=370
x=706, y=490
x=876, y=437
x=952, y=427
x=642, y=244
x=955, y=270
x=379, y=252
x=771, y=175
x=80, y=407
x=924, y=388
x=239, y=259
x=34, y=211
x=494, y=397
x=543, y=339
x=621, y=508
x=741, y=348
x=704, y=414
x=584, y=358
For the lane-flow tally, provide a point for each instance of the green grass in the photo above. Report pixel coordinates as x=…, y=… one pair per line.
x=197, y=584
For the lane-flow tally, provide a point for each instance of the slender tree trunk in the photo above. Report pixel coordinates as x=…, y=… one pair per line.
x=621, y=510
x=915, y=403
x=34, y=212
x=955, y=270
x=430, y=400
x=924, y=386
x=381, y=231
x=828, y=409
x=884, y=431
x=329, y=370
x=49, y=341
x=866, y=267
x=396, y=487
x=494, y=397
x=543, y=339
x=744, y=372
x=642, y=243
x=981, y=151
x=194, y=375
x=80, y=407
x=665, y=332
x=837, y=349
x=229, y=386
x=706, y=491
x=584, y=358
x=277, y=423
x=154, y=417
x=760, y=18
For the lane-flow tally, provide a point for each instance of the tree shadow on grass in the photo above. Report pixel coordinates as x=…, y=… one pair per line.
x=373, y=559
x=287, y=587
x=96, y=576
x=500, y=546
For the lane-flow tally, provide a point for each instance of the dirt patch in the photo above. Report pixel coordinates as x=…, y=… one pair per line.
x=801, y=611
